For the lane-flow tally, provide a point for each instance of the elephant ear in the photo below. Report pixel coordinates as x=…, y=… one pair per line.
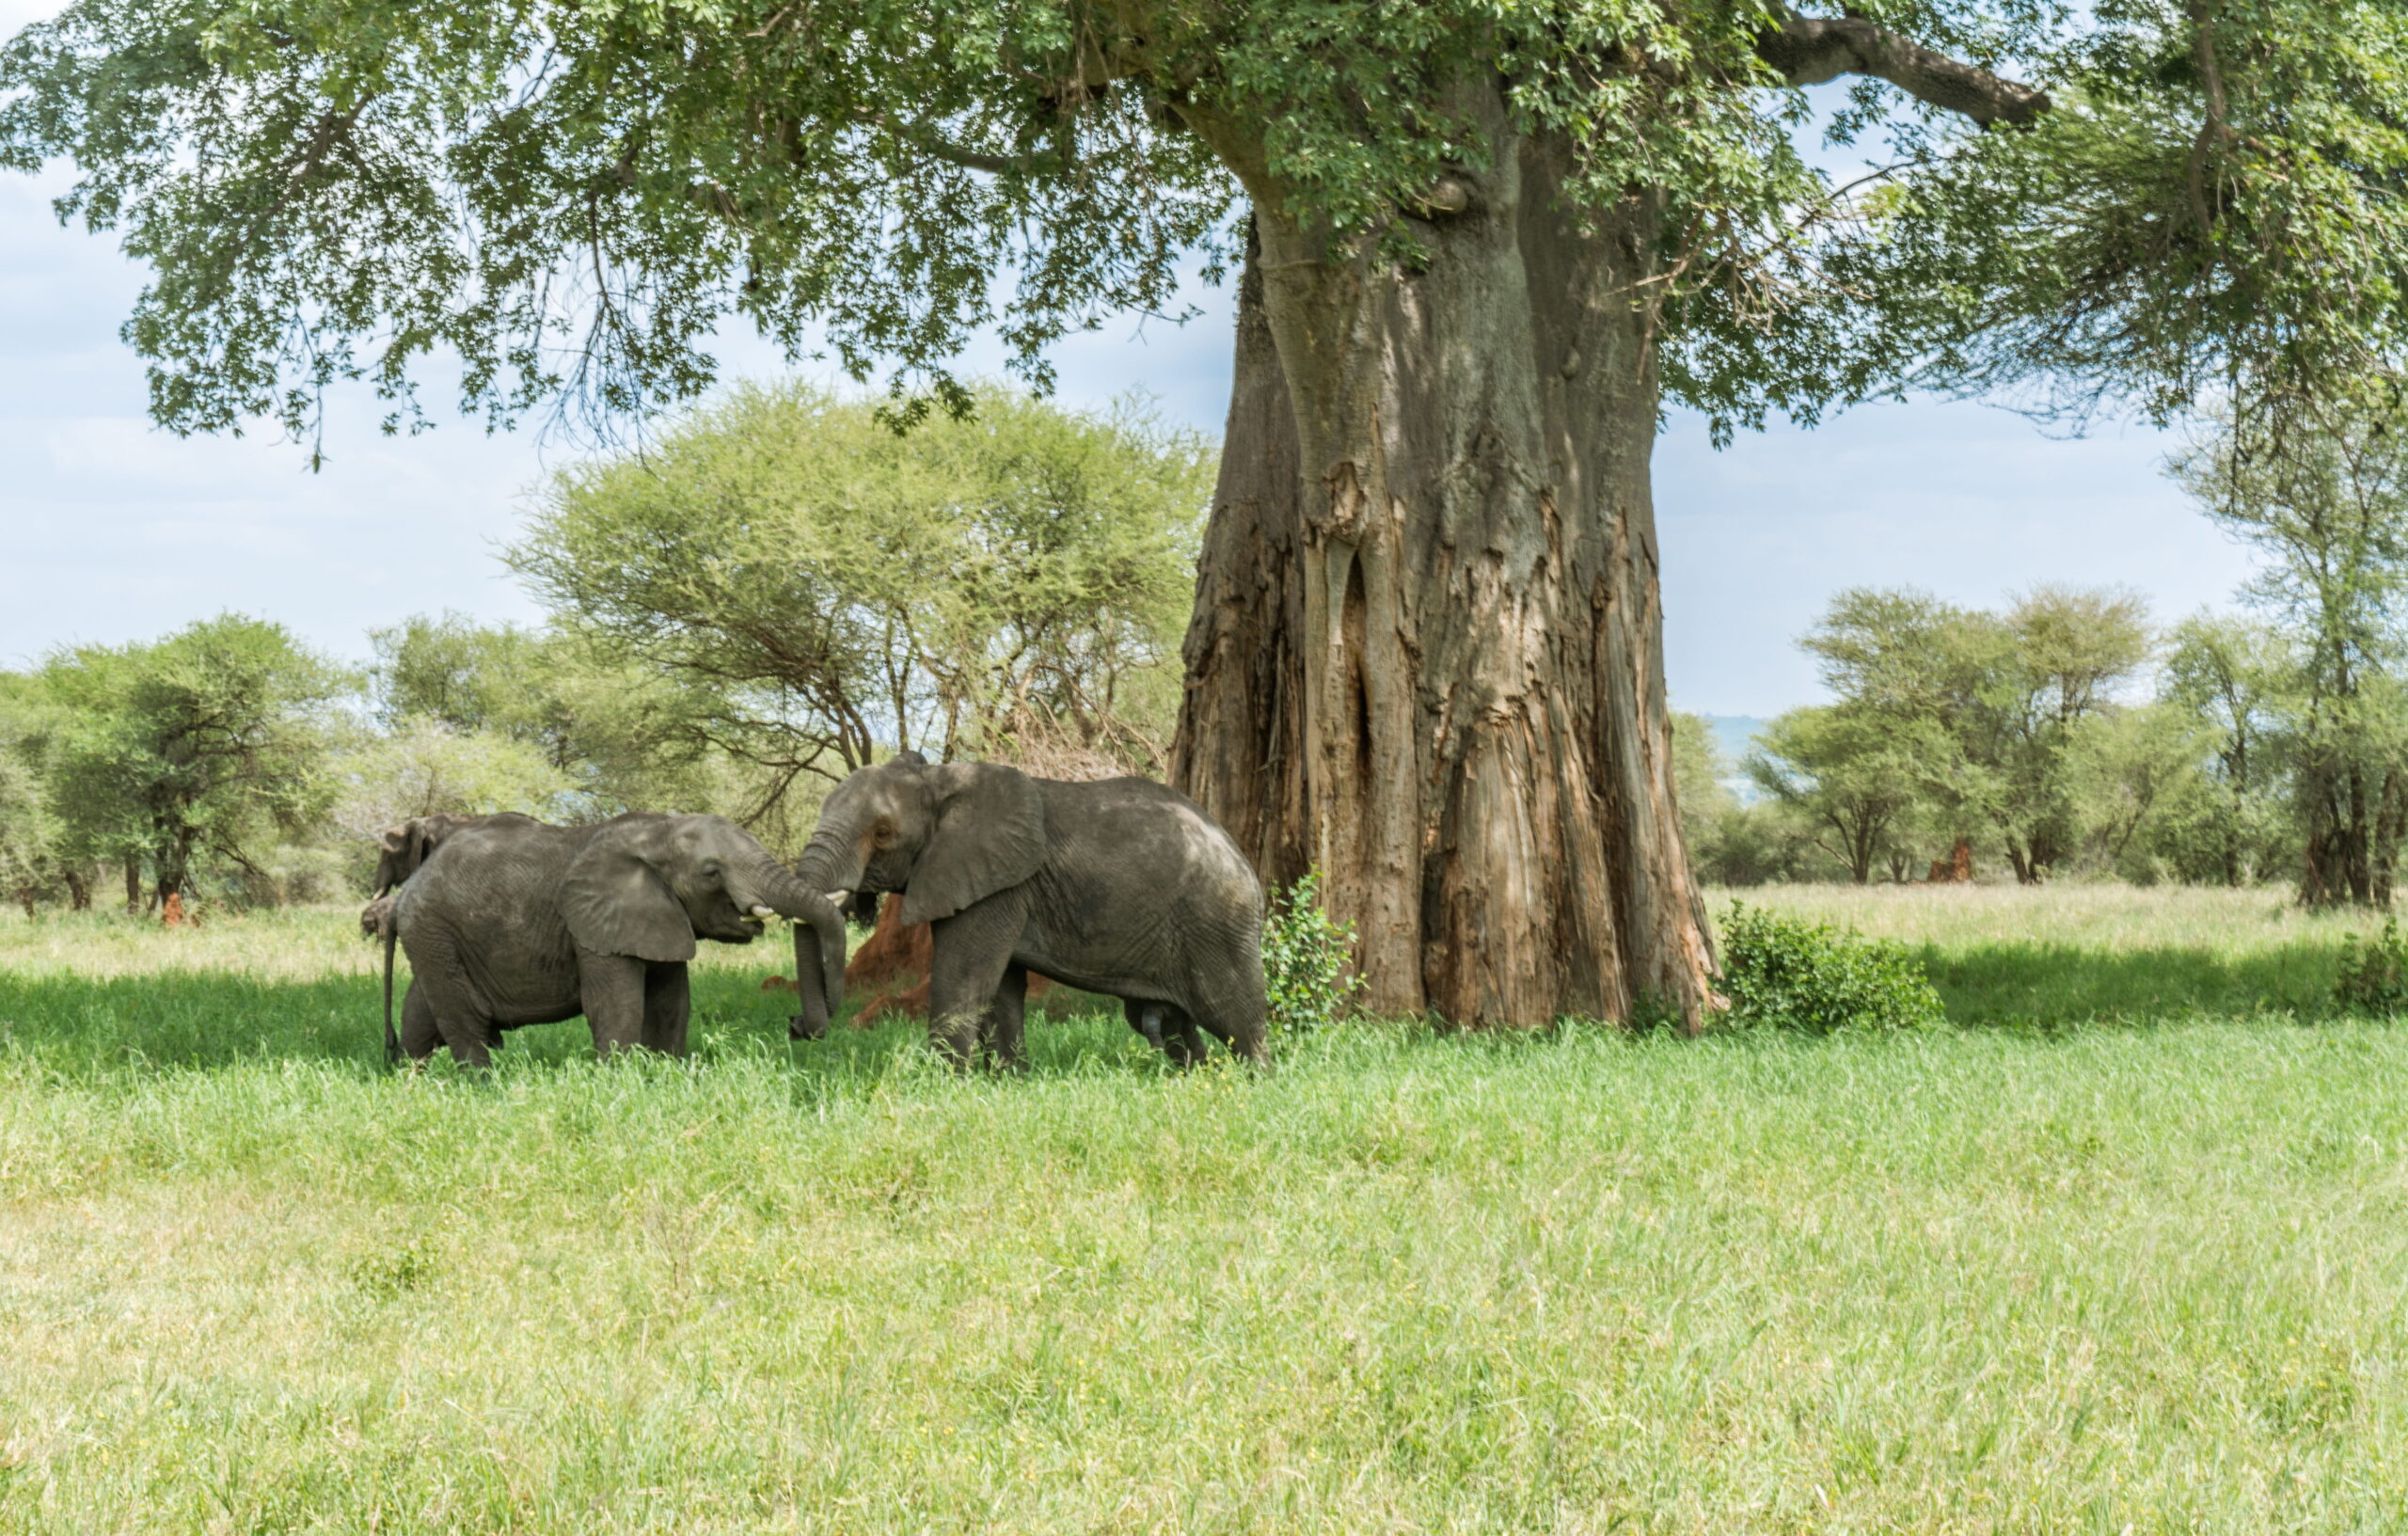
x=403, y=848
x=990, y=835
x=392, y=854
x=617, y=904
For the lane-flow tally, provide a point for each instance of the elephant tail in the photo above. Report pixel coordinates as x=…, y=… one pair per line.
x=392, y=1041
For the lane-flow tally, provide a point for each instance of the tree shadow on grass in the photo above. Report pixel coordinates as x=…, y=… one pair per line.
x=84, y=1027
x=93, y=1027
x=2058, y=986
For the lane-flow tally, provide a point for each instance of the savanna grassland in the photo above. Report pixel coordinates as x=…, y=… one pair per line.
x=2126, y=1251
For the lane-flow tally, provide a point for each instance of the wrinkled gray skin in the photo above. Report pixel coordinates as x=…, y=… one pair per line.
x=399, y=853
x=1121, y=887
x=526, y=924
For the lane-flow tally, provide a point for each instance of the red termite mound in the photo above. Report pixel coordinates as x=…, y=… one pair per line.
x=890, y=972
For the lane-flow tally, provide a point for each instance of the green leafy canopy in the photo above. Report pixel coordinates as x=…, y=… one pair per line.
x=568, y=199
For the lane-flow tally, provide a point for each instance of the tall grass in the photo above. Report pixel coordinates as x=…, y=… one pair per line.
x=2058, y=955
x=2153, y=1279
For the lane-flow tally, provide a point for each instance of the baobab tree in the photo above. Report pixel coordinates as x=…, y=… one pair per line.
x=1479, y=248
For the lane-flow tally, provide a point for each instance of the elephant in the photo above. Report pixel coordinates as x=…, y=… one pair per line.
x=402, y=850
x=517, y=922
x=1119, y=886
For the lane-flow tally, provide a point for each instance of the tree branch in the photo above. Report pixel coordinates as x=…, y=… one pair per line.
x=2213, y=131
x=955, y=154
x=1810, y=50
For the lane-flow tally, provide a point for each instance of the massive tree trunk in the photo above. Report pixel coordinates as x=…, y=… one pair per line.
x=1427, y=652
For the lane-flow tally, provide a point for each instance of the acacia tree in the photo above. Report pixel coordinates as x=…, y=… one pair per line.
x=1852, y=774
x=1987, y=705
x=822, y=588
x=28, y=831
x=2323, y=491
x=2235, y=678
x=193, y=749
x=1486, y=242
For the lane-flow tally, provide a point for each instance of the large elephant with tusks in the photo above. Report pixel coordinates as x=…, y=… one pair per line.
x=1122, y=886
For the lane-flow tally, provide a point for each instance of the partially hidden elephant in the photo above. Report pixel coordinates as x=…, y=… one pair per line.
x=516, y=921
x=1120, y=886
x=402, y=850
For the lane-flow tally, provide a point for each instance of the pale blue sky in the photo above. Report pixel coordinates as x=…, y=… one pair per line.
x=111, y=530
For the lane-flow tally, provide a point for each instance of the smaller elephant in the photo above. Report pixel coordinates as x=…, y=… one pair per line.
x=515, y=922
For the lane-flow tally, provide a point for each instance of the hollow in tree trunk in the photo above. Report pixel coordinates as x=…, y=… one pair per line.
x=1426, y=654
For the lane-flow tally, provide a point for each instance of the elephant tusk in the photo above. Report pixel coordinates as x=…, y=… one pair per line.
x=837, y=898
x=764, y=914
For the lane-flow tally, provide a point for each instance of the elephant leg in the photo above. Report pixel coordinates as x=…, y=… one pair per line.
x=668, y=999
x=1146, y=1020
x=459, y=1017
x=1183, y=1042
x=1006, y=1031
x=1168, y=1030
x=969, y=952
x=612, y=988
x=420, y=1035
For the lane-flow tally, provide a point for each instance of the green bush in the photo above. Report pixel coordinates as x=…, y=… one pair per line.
x=2375, y=979
x=1783, y=973
x=1305, y=958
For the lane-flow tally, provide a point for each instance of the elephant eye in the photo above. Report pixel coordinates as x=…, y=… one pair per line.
x=884, y=837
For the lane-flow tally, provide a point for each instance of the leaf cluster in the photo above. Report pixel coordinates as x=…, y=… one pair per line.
x=2373, y=977
x=821, y=589
x=190, y=754
x=1787, y=973
x=567, y=198
x=1307, y=960
x=2218, y=206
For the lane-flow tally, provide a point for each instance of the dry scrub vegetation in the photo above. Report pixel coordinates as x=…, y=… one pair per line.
x=2149, y=1277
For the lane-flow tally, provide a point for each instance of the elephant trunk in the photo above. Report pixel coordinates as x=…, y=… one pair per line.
x=831, y=862
x=818, y=978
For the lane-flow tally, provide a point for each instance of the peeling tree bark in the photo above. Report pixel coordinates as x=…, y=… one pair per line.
x=1238, y=748
x=1427, y=657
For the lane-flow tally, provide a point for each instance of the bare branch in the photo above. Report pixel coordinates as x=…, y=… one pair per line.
x=1810, y=50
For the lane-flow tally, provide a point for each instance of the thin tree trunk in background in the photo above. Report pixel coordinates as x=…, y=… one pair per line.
x=2383, y=845
x=1434, y=668
x=132, y=886
x=79, y=892
x=2352, y=836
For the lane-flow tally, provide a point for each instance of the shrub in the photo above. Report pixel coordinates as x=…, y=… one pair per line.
x=1785, y=972
x=1305, y=958
x=2375, y=979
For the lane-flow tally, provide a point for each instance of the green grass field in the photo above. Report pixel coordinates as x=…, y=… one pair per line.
x=2127, y=1253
